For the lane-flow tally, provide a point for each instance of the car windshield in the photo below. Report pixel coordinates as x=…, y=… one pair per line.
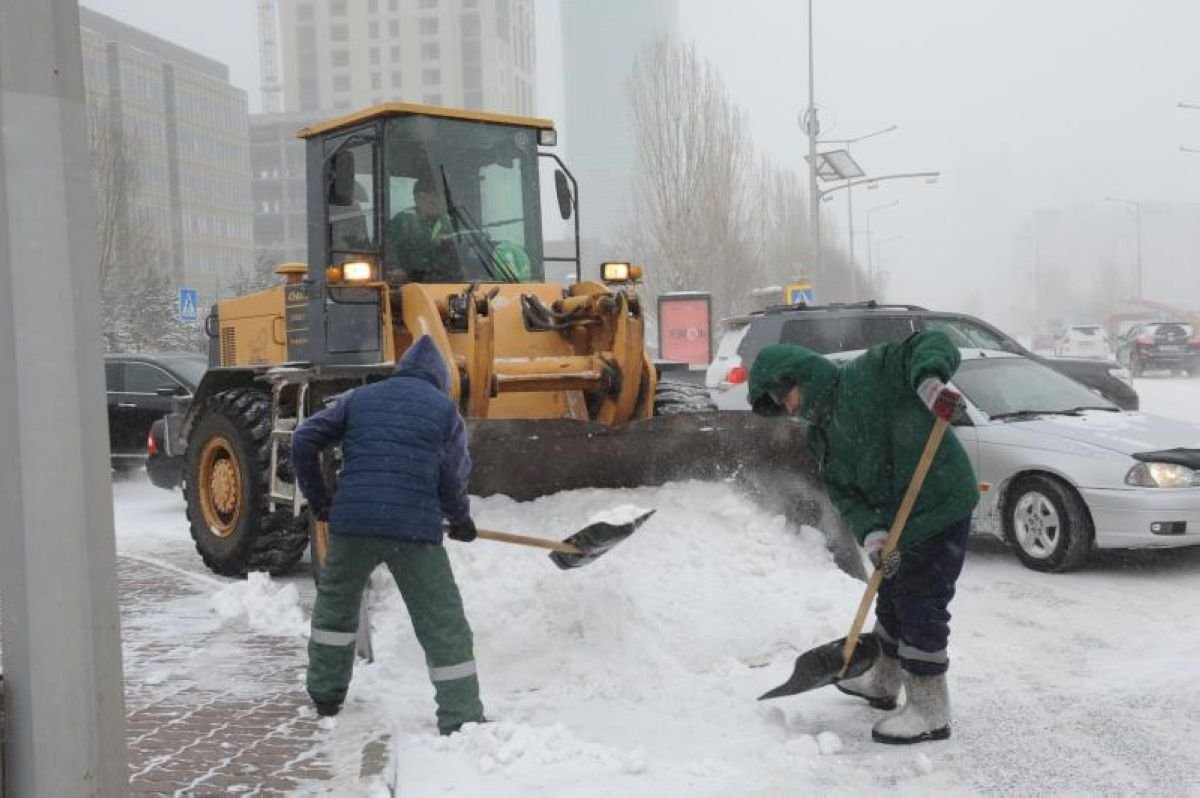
x=1001, y=386
x=189, y=369
x=463, y=202
x=1084, y=331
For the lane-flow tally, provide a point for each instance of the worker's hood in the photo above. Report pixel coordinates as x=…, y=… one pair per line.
x=423, y=360
x=816, y=376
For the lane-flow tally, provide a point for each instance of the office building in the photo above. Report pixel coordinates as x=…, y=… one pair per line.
x=181, y=130
x=600, y=42
x=340, y=55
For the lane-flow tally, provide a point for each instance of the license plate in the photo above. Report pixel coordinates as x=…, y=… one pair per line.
x=1170, y=348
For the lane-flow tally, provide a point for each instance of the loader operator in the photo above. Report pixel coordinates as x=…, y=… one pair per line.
x=405, y=468
x=868, y=423
x=421, y=245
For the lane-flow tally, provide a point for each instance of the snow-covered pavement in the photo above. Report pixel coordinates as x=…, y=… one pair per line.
x=638, y=674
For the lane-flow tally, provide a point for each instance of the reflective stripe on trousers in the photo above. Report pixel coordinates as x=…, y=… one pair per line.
x=327, y=637
x=448, y=673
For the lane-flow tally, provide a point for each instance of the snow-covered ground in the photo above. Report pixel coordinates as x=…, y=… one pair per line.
x=638, y=674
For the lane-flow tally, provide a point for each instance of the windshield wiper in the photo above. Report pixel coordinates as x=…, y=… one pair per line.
x=461, y=218
x=1023, y=415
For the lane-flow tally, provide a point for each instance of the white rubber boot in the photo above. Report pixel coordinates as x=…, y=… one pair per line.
x=925, y=716
x=879, y=686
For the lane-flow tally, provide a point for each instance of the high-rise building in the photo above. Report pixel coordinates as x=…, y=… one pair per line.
x=348, y=54
x=278, y=179
x=181, y=131
x=600, y=41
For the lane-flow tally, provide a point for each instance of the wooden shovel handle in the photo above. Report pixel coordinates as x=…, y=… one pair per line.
x=893, y=538
x=526, y=540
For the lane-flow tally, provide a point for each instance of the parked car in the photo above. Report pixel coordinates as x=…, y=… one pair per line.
x=1063, y=472
x=1084, y=340
x=143, y=388
x=726, y=368
x=841, y=328
x=1167, y=345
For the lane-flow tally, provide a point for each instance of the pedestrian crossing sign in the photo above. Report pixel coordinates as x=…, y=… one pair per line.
x=801, y=294
x=187, y=305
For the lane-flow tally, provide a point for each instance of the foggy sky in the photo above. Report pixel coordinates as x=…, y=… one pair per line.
x=1021, y=104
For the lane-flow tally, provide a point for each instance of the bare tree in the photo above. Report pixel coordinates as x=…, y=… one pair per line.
x=709, y=215
x=694, y=161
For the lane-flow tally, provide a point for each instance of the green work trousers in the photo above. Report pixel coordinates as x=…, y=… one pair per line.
x=422, y=572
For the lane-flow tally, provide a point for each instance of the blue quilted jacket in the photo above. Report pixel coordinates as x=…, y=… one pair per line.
x=404, y=452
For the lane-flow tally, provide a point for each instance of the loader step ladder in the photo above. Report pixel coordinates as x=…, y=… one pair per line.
x=282, y=427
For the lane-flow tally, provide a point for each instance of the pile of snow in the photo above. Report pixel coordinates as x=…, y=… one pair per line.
x=633, y=675
x=261, y=605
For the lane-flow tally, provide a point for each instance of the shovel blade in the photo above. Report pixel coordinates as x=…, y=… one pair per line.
x=822, y=666
x=594, y=541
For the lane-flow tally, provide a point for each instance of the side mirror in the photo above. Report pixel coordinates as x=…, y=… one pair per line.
x=563, y=189
x=171, y=390
x=341, y=178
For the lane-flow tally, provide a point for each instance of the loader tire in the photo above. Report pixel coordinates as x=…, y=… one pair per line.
x=226, y=487
x=681, y=397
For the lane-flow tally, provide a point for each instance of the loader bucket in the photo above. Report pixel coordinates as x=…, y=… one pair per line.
x=768, y=457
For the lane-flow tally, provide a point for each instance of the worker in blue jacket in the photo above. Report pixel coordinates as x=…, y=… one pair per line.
x=405, y=467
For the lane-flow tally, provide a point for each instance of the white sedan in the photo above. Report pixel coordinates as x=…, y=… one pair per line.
x=1063, y=471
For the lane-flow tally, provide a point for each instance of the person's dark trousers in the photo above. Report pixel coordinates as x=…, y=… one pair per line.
x=912, y=607
x=422, y=572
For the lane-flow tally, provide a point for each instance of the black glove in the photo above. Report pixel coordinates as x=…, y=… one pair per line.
x=321, y=514
x=463, y=531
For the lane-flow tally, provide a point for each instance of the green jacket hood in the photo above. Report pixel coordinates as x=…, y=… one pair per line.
x=815, y=374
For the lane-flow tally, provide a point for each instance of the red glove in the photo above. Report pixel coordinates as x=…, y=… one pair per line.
x=942, y=400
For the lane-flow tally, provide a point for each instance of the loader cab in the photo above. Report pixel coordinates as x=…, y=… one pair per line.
x=403, y=194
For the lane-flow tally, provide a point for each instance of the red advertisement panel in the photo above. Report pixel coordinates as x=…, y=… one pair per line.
x=683, y=329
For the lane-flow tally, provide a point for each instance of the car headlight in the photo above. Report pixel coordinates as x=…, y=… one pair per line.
x=1122, y=374
x=1161, y=475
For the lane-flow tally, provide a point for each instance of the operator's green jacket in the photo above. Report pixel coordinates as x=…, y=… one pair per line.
x=869, y=427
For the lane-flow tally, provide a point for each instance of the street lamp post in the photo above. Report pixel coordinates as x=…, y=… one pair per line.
x=870, y=260
x=812, y=126
x=1137, y=216
x=850, y=201
x=879, y=246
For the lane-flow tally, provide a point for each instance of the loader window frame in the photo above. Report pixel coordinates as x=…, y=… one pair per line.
x=353, y=228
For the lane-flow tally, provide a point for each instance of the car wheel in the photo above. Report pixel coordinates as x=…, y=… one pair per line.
x=1047, y=524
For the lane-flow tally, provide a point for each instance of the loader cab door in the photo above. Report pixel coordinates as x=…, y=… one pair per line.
x=339, y=322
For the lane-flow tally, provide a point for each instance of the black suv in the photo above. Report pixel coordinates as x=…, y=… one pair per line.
x=141, y=389
x=849, y=327
x=1169, y=345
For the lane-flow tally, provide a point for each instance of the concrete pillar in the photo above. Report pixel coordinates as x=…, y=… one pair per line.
x=58, y=589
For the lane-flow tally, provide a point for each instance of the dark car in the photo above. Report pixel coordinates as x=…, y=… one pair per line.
x=861, y=325
x=142, y=388
x=1160, y=345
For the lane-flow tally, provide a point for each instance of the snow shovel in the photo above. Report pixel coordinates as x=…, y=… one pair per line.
x=854, y=654
x=363, y=647
x=580, y=549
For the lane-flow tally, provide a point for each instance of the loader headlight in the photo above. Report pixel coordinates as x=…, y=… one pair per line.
x=548, y=137
x=1162, y=475
x=620, y=272
x=357, y=271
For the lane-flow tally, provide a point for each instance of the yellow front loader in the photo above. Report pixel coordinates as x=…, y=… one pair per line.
x=427, y=221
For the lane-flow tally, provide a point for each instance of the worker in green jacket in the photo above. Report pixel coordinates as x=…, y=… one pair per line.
x=869, y=420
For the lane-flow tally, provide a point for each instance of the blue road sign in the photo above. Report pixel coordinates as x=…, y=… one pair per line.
x=798, y=295
x=188, y=302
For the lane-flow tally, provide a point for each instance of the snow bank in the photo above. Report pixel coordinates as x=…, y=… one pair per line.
x=636, y=672
x=262, y=605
